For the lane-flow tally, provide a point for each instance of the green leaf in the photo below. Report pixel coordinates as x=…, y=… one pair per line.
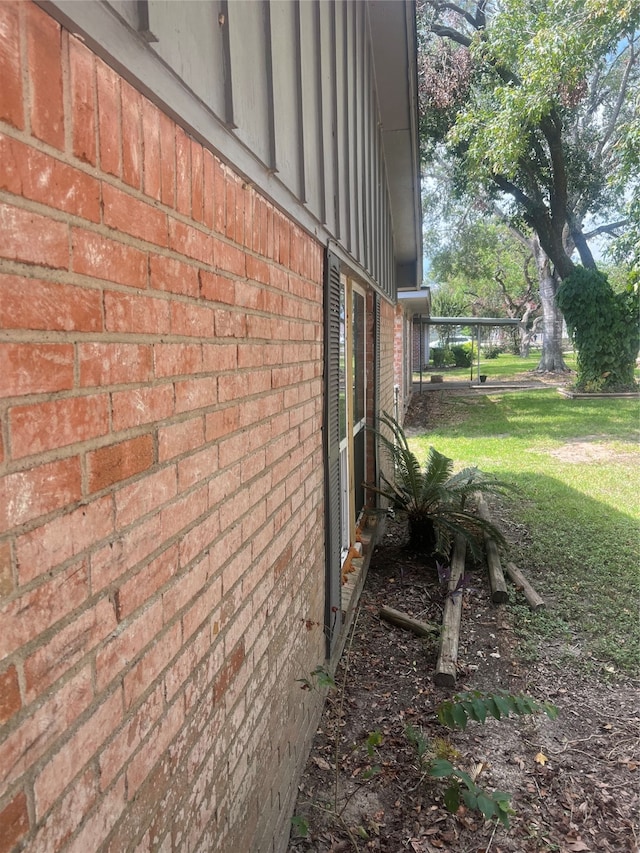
x=492, y=708
x=486, y=805
x=504, y=705
x=460, y=717
x=372, y=771
x=440, y=768
x=470, y=799
x=524, y=705
x=503, y=814
x=480, y=710
x=468, y=781
x=374, y=739
x=322, y=677
x=445, y=715
x=468, y=708
x=300, y=826
x=452, y=799
x=502, y=797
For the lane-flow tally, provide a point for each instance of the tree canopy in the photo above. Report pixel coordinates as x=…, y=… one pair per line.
x=534, y=106
x=536, y=103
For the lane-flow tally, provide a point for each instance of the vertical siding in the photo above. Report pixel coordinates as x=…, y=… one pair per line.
x=293, y=86
x=329, y=115
x=287, y=98
x=313, y=133
x=179, y=40
x=342, y=125
x=251, y=72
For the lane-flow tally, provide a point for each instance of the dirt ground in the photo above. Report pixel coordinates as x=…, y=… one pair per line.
x=575, y=781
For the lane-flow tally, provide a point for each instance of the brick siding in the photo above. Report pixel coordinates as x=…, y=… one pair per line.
x=161, y=518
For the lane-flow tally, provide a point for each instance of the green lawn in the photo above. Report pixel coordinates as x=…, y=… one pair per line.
x=505, y=367
x=575, y=466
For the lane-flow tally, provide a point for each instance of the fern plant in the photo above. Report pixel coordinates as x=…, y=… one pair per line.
x=435, y=500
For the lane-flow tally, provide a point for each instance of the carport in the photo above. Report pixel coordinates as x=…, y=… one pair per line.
x=477, y=323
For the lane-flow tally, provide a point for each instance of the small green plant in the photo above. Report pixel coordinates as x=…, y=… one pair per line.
x=300, y=826
x=318, y=679
x=434, y=498
x=373, y=741
x=476, y=705
x=436, y=759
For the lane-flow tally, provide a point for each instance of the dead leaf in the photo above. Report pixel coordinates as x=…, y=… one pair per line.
x=577, y=847
x=541, y=758
x=321, y=763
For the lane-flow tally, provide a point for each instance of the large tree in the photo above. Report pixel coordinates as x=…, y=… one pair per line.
x=533, y=100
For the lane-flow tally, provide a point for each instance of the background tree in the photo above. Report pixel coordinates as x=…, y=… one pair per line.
x=488, y=267
x=538, y=114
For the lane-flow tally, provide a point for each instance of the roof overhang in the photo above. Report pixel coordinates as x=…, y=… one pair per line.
x=415, y=301
x=470, y=321
x=393, y=38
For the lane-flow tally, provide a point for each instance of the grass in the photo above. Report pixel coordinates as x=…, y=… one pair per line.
x=574, y=464
x=506, y=366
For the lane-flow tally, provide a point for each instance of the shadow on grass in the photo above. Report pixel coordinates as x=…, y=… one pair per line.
x=582, y=554
x=543, y=415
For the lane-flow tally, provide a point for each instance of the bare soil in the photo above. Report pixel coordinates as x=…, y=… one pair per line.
x=575, y=781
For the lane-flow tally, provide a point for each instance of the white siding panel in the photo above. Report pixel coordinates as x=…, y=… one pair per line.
x=313, y=137
x=329, y=130
x=128, y=10
x=342, y=126
x=189, y=37
x=250, y=77
x=351, y=129
x=286, y=94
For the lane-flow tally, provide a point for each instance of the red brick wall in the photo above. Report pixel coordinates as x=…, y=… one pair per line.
x=160, y=472
x=401, y=331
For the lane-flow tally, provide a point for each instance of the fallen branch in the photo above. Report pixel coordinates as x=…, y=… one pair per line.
x=445, y=673
x=396, y=617
x=534, y=601
x=499, y=592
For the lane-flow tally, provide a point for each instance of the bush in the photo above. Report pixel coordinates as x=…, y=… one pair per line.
x=604, y=328
x=491, y=352
x=441, y=357
x=462, y=355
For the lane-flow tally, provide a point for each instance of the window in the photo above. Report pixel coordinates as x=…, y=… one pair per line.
x=352, y=408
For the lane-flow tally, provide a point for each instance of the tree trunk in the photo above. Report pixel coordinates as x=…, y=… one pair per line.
x=551, y=360
x=422, y=534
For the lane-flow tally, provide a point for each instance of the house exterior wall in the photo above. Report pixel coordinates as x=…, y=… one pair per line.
x=161, y=495
x=301, y=119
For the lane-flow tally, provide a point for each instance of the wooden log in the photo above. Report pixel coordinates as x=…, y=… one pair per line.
x=534, y=601
x=499, y=592
x=445, y=672
x=397, y=617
